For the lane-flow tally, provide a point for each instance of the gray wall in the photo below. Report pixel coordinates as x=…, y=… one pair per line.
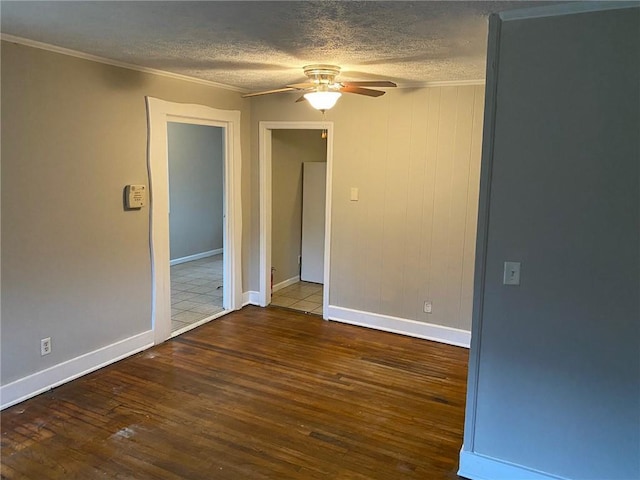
x=196, y=183
x=289, y=149
x=75, y=264
x=555, y=367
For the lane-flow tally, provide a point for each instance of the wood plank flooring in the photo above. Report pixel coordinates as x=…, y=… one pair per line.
x=256, y=394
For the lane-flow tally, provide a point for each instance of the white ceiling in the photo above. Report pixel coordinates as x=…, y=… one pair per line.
x=262, y=45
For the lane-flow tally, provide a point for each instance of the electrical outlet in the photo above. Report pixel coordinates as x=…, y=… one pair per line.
x=45, y=346
x=428, y=308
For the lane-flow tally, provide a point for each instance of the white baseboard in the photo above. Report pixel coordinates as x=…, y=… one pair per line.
x=250, y=298
x=34, y=384
x=479, y=467
x=412, y=328
x=197, y=256
x=286, y=283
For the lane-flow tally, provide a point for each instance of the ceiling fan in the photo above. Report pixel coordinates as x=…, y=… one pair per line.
x=322, y=89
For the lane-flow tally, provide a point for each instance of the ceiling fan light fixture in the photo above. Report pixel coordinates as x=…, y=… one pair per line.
x=322, y=100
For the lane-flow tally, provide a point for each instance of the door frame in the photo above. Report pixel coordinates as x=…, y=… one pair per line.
x=265, y=160
x=159, y=113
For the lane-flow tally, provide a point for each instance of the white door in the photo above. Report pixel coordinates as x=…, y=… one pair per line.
x=314, y=181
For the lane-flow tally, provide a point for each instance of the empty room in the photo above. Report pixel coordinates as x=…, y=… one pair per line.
x=466, y=304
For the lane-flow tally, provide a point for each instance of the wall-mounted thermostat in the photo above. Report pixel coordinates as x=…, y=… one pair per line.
x=135, y=196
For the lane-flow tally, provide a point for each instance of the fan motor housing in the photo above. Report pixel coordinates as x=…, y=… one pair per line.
x=322, y=73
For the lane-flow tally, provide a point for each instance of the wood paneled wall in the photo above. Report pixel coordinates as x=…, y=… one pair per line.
x=415, y=157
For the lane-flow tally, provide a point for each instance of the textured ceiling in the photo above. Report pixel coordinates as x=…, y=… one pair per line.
x=262, y=45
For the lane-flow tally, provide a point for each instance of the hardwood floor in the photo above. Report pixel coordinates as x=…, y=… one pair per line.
x=259, y=393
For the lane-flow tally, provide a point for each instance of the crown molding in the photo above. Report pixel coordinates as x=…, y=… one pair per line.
x=443, y=83
x=94, y=58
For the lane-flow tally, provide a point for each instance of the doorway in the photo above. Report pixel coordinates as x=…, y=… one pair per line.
x=160, y=114
x=299, y=160
x=267, y=214
x=196, y=246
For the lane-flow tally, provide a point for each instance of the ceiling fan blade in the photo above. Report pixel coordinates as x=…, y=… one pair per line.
x=362, y=91
x=302, y=86
x=301, y=99
x=267, y=92
x=370, y=83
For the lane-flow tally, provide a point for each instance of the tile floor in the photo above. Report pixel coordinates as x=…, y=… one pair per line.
x=196, y=291
x=303, y=296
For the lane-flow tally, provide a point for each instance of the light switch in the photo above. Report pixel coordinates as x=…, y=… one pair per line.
x=354, y=194
x=511, y=273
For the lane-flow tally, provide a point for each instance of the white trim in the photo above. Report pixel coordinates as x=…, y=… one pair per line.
x=197, y=256
x=442, y=83
x=285, y=283
x=44, y=380
x=264, y=147
x=250, y=298
x=264, y=140
x=160, y=113
x=411, y=328
x=94, y=58
x=479, y=467
x=327, y=222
